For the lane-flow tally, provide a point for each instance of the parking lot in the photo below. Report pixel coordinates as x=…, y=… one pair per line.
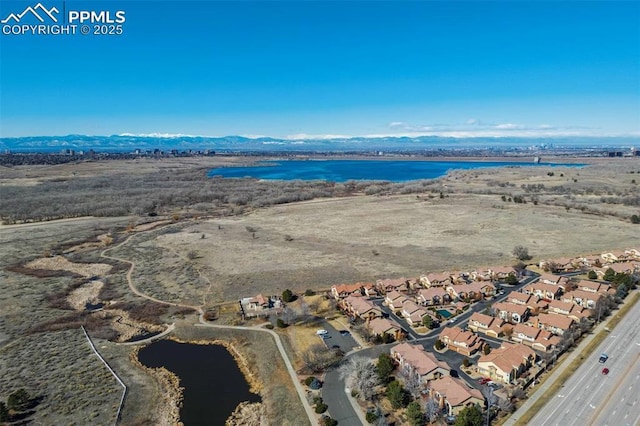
x=337, y=339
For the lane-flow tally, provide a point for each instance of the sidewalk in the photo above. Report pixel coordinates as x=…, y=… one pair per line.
x=542, y=389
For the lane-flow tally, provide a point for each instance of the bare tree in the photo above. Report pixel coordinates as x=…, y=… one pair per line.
x=360, y=376
x=519, y=393
x=412, y=382
x=550, y=266
x=317, y=357
x=521, y=253
x=304, y=312
x=505, y=405
x=288, y=315
x=432, y=410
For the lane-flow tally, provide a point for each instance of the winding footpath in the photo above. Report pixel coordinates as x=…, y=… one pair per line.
x=203, y=323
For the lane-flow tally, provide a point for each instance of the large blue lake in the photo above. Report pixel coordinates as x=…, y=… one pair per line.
x=344, y=170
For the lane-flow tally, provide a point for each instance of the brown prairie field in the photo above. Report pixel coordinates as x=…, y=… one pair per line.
x=365, y=238
x=459, y=221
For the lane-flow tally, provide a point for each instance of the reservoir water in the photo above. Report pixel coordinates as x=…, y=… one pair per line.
x=212, y=381
x=344, y=170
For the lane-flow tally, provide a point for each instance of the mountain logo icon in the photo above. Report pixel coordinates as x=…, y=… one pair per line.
x=39, y=11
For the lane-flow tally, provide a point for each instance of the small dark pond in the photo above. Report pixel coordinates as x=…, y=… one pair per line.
x=212, y=381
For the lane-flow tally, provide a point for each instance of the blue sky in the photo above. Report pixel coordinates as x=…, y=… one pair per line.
x=288, y=69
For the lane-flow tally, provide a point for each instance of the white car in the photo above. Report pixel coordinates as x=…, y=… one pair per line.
x=322, y=332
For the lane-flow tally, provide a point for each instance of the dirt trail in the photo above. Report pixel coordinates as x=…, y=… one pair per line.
x=132, y=286
x=202, y=322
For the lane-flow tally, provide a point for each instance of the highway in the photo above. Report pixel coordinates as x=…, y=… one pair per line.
x=591, y=398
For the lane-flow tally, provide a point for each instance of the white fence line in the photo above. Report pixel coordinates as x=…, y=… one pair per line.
x=124, y=393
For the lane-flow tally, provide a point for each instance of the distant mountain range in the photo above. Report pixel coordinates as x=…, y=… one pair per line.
x=129, y=143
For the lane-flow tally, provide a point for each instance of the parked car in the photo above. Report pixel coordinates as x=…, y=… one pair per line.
x=344, y=332
x=605, y=371
x=322, y=332
x=603, y=358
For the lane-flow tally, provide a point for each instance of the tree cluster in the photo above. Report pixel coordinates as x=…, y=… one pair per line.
x=17, y=404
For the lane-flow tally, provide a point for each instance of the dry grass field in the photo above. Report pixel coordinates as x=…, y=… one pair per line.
x=362, y=239
x=306, y=245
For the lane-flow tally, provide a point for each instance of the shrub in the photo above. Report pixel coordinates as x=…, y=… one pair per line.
x=308, y=380
x=487, y=349
x=439, y=345
x=287, y=296
x=4, y=412
x=415, y=414
x=387, y=338
x=315, y=384
x=592, y=275
x=211, y=315
x=511, y=279
x=371, y=417
x=427, y=321
x=269, y=326
x=470, y=416
x=328, y=421
x=18, y=400
x=384, y=367
x=280, y=323
x=466, y=362
x=309, y=292
x=609, y=275
x=398, y=396
x=321, y=407
x=635, y=219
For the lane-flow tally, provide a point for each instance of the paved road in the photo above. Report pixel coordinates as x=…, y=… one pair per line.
x=591, y=398
x=335, y=395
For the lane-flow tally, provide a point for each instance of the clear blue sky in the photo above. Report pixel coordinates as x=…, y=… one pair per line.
x=330, y=68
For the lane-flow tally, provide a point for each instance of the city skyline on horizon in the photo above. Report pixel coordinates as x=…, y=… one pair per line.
x=309, y=70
